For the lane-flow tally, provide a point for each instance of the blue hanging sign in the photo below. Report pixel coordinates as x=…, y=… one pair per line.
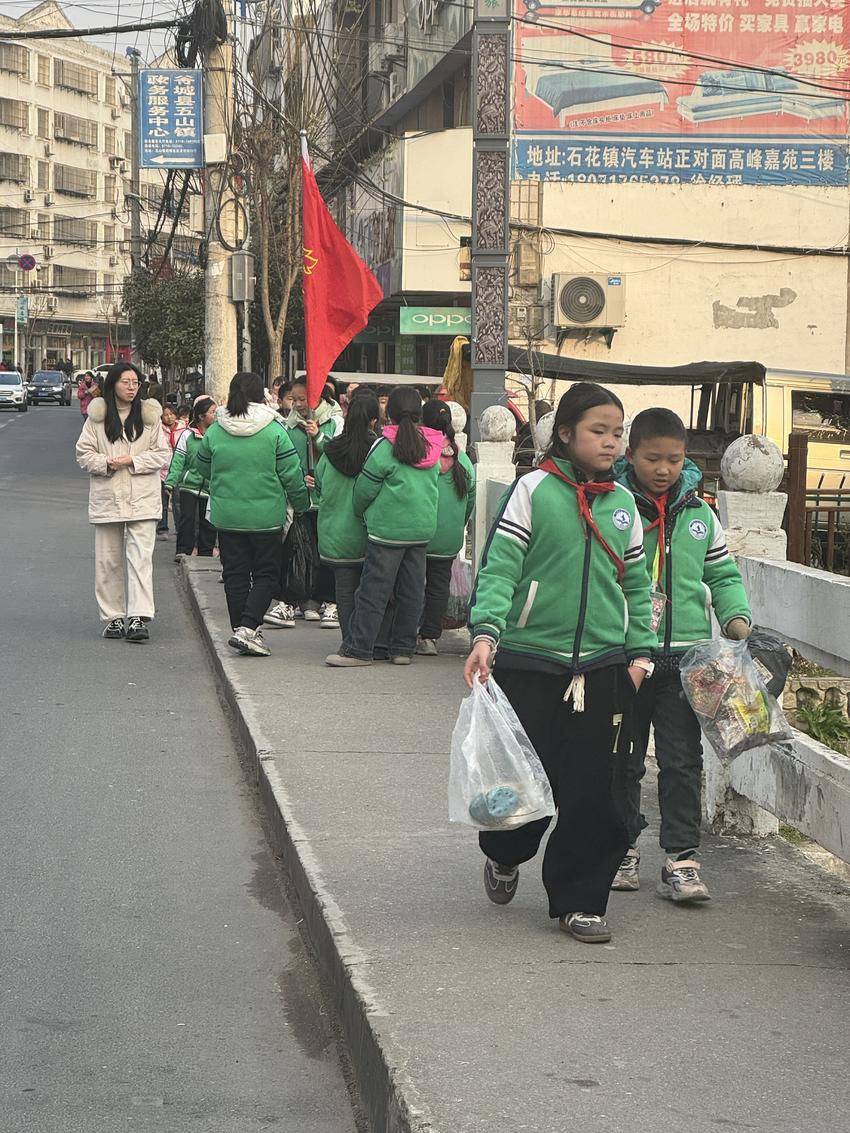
x=170, y=119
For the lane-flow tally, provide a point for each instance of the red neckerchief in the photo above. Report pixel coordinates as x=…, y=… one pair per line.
x=589, y=488
x=661, y=507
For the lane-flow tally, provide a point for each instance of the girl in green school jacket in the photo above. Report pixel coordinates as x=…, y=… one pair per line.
x=456, y=485
x=562, y=602
x=396, y=494
x=342, y=533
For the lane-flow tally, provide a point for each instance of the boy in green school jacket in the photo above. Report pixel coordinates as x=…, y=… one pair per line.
x=691, y=571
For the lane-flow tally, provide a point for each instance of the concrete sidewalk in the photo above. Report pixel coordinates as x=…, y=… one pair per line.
x=467, y=1018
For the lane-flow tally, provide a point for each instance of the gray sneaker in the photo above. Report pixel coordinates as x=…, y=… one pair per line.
x=681, y=882
x=425, y=647
x=627, y=877
x=249, y=642
x=586, y=927
x=114, y=629
x=340, y=661
x=500, y=882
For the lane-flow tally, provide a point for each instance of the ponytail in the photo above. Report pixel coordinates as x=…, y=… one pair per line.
x=437, y=415
x=349, y=450
x=404, y=409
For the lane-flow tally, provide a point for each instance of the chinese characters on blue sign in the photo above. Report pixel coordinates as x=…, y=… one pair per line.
x=170, y=119
x=610, y=159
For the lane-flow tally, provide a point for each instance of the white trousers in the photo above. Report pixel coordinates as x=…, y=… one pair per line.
x=123, y=568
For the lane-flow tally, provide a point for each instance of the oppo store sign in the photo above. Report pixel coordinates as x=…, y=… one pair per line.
x=435, y=320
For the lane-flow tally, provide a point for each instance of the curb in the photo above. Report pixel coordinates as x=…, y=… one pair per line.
x=386, y=1093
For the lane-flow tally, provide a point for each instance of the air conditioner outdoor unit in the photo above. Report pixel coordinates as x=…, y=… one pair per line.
x=48, y=150
x=51, y=303
x=378, y=61
x=114, y=162
x=47, y=251
x=35, y=234
x=116, y=113
x=29, y=195
x=114, y=261
x=586, y=301
x=394, y=41
x=48, y=199
x=123, y=167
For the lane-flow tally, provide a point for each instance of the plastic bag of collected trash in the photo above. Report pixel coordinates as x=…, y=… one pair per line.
x=496, y=780
x=460, y=589
x=772, y=659
x=730, y=700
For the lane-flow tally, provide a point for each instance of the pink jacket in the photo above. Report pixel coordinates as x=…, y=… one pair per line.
x=84, y=396
x=434, y=439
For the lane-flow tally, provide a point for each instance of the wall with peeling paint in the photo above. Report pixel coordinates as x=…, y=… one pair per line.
x=686, y=304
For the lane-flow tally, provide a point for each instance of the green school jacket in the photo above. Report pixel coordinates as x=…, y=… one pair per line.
x=546, y=588
x=253, y=471
x=453, y=512
x=398, y=501
x=183, y=472
x=698, y=571
x=342, y=534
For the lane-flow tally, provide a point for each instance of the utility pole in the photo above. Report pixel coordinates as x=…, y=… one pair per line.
x=219, y=220
x=491, y=129
x=135, y=182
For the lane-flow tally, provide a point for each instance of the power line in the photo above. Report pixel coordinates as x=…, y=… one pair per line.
x=83, y=33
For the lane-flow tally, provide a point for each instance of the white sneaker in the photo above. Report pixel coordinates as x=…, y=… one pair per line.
x=281, y=616
x=329, y=615
x=312, y=615
x=249, y=642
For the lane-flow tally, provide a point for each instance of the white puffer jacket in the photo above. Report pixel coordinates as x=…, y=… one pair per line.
x=129, y=493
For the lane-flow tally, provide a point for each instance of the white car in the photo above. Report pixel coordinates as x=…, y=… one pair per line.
x=13, y=391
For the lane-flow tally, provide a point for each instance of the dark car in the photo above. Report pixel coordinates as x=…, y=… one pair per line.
x=50, y=385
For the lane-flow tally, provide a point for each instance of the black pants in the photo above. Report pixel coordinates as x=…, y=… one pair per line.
x=390, y=575
x=323, y=583
x=346, y=581
x=163, y=523
x=193, y=527
x=678, y=752
x=250, y=562
x=438, y=577
x=584, y=754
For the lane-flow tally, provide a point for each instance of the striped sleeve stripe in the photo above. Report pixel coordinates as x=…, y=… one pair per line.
x=714, y=556
x=371, y=476
x=633, y=554
x=523, y=540
x=517, y=528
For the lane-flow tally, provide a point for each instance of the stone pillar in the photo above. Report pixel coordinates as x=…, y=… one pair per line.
x=459, y=419
x=494, y=451
x=751, y=512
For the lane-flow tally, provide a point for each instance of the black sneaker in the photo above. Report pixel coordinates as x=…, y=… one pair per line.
x=114, y=629
x=137, y=630
x=500, y=882
x=586, y=927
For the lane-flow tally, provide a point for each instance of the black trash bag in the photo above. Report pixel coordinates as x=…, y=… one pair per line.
x=302, y=561
x=772, y=658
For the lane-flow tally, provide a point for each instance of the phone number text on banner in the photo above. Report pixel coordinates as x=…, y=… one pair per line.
x=610, y=160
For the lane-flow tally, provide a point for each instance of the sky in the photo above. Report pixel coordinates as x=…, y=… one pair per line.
x=97, y=13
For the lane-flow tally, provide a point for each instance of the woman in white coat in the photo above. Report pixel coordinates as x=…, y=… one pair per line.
x=122, y=447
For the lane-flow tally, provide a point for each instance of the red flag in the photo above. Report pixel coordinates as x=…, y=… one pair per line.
x=339, y=289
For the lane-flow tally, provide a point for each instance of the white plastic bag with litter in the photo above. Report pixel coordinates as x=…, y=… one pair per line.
x=496, y=780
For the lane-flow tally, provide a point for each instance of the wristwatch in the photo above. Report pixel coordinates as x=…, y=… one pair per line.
x=642, y=663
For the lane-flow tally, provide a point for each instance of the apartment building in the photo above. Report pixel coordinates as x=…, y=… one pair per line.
x=65, y=148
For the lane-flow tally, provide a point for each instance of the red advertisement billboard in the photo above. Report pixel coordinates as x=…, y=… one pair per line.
x=692, y=91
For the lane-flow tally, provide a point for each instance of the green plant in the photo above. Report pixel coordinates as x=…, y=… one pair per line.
x=167, y=314
x=825, y=724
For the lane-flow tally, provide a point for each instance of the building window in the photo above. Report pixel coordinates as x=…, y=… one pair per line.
x=43, y=175
x=14, y=167
x=13, y=222
x=74, y=281
x=526, y=202
x=825, y=417
x=128, y=144
x=70, y=128
x=14, y=114
x=111, y=91
x=70, y=230
x=73, y=76
x=109, y=140
x=44, y=70
x=74, y=182
x=44, y=226
x=43, y=123
x=109, y=236
x=109, y=185
x=15, y=59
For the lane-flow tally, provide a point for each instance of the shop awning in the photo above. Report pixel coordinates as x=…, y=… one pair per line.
x=550, y=366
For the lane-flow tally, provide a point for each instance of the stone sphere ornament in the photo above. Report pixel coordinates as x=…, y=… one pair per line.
x=458, y=416
x=752, y=464
x=543, y=431
x=497, y=423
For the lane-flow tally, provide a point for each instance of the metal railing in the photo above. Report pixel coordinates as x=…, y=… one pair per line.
x=827, y=536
